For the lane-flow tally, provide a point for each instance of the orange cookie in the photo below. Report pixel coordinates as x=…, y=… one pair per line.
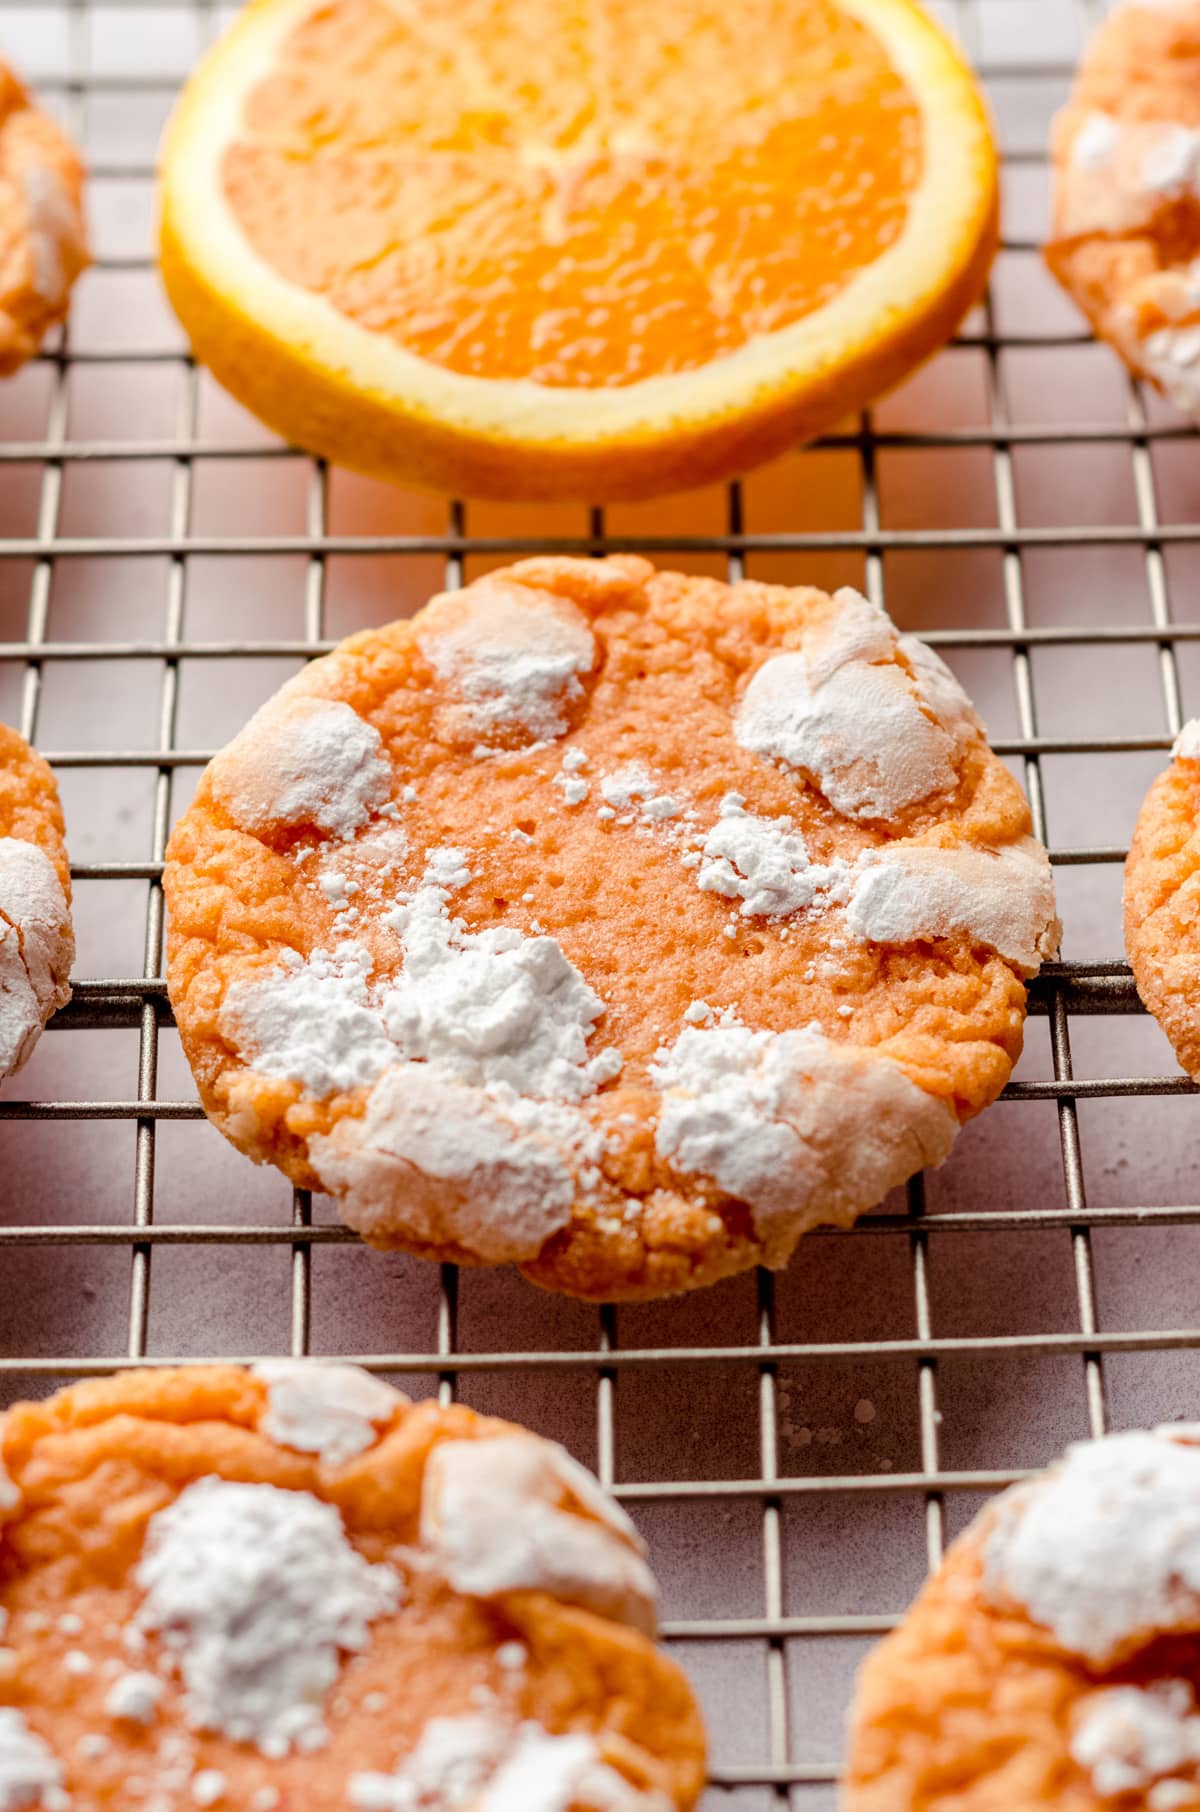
x=43, y=241
x=1162, y=888
x=37, y=944
x=1052, y=1660
x=293, y=1590
x=1126, y=231
x=614, y=923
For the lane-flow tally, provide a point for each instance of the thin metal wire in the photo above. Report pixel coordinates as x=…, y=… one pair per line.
x=1065, y=992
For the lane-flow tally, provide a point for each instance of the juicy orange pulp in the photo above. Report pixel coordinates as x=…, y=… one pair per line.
x=577, y=192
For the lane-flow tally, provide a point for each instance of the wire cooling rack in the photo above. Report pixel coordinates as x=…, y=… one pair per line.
x=798, y=1448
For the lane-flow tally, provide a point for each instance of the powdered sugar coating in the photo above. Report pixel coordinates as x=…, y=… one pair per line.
x=491, y=1007
x=1004, y=898
x=1186, y=746
x=1171, y=356
x=847, y=712
x=490, y=1174
x=516, y=1513
x=303, y=761
x=479, y=1763
x=513, y=654
x=319, y=1407
x=1131, y=1739
x=765, y=862
x=1104, y=1550
x=54, y=228
x=799, y=1127
x=30, y=1774
x=256, y=1592
x=37, y=948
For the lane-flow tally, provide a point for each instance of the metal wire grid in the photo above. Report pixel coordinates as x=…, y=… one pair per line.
x=1066, y=989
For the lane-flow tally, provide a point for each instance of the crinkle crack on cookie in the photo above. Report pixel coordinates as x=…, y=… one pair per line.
x=1162, y=888
x=1052, y=1660
x=1126, y=233
x=37, y=943
x=614, y=923
x=43, y=241
x=293, y=1587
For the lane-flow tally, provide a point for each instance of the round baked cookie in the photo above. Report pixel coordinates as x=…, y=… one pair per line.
x=615, y=923
x=43, y=240
x=1162, y=891
x=291, y=1589
x=1125, y=239
x=37, y=944
x=1053, y=1658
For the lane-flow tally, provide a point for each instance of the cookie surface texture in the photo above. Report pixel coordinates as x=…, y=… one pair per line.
x=37, y=944
x=43, y=241
x=1162, y=887
x=1051, y=1661
x=614, y=923
x=292, y=1588
x=1126, y=226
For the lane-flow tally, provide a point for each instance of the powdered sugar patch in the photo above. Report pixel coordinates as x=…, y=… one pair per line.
x=256, y=1592
x=797, y=1126
x=503, y=1515
x=845, y=711
x=1003, y=898
x=303, y=761
x=30, y=1774
x=490, y=1007
x=513, y=654
x=766, y=862
x=335, y=1411
x=37, y=948
x=1133, y=1739
x=1104, y=1551
x=478, y=1762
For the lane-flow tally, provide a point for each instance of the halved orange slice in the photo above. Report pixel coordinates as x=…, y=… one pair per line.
x=560, y=248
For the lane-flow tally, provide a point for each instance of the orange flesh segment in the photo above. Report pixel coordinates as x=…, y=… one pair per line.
x=560, y=192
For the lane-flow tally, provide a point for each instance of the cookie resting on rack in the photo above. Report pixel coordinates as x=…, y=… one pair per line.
x=1125, y=240
x=1052, y=1659
x=614, y=923
x=37, y=944
x=1162, y=892
x=43, y=240
x=292, y=1588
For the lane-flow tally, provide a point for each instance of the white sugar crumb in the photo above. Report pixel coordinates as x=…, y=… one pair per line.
x=314, y=1406
x=799, y=1127
x=477, y=1762
x=502, y=1515
x=37, y=948
x=1095, y=141
x=632, y=788
x=135, y=1697
x=1171, y=356
x=92, y=1746
x=491, y=1007
x=208, y=1787
x=766, y=862
x=1104, y=1551
x=29, y=1773
x=303, y=761
x=512, y=1656
x=570, y=782
x=1133, y=1739
x=70, y=1624
x=265, y=1799
x=77, y=1663
x=255, y=1592
x=514, y=655
x=54, y=229
x=875, y=738
x=1002, y=898
x=1186, y=746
